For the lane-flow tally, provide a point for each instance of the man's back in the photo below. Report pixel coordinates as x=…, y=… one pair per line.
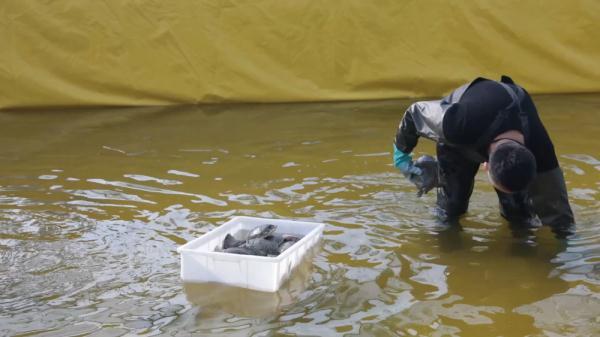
x=477, y=109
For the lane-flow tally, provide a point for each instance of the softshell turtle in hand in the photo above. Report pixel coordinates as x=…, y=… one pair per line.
x=429, y=176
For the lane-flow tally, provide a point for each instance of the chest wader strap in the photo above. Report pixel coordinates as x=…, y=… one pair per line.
x=516, y=94
x=472, y=151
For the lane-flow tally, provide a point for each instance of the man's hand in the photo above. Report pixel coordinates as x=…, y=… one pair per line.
x=403, y=162
x=429, y=177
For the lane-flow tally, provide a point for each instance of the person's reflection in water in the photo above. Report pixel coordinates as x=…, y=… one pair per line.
x=449, y=235
x=524, y=241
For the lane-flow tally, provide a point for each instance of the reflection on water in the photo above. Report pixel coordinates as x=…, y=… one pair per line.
x=93, y=205
x=214, y=298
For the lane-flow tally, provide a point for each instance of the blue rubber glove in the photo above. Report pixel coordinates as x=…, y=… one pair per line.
x=404, y=163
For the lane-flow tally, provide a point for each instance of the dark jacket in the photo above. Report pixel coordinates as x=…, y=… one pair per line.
x=473, y=115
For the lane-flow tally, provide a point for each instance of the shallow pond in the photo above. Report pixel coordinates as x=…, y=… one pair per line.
x=94, y=203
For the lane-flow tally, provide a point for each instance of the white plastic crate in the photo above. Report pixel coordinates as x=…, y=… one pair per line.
x=201, y=263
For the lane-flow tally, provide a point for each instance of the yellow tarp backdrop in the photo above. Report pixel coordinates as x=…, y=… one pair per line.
x=148, y=52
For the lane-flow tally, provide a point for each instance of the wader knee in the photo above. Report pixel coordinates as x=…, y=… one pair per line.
x=456, y=180
x=451, y=207
x=551, y=202
x=517, y=209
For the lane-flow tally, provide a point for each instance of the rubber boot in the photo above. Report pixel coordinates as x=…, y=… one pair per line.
x=548, y=193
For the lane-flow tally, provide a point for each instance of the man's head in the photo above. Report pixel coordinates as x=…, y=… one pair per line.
x=511, y=166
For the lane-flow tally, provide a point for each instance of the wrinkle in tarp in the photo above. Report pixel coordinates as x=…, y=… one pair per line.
x=143, y=52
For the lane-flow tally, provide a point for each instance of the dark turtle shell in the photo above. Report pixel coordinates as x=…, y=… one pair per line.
x=244, y=251
x=261, y=231
x=230, y=241
x=269, y=247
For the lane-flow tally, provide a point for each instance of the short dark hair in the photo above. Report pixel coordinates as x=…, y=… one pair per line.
x=512, y=166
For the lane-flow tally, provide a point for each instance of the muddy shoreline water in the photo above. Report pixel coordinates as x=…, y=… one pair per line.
x=93, y=205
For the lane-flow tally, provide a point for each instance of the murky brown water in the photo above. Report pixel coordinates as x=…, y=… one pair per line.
x=93, y=205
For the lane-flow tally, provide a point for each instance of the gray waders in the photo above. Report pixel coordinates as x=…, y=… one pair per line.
x=544, y=202
x=546, y=197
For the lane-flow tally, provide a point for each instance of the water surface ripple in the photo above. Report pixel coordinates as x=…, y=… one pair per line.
x=93, y=205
